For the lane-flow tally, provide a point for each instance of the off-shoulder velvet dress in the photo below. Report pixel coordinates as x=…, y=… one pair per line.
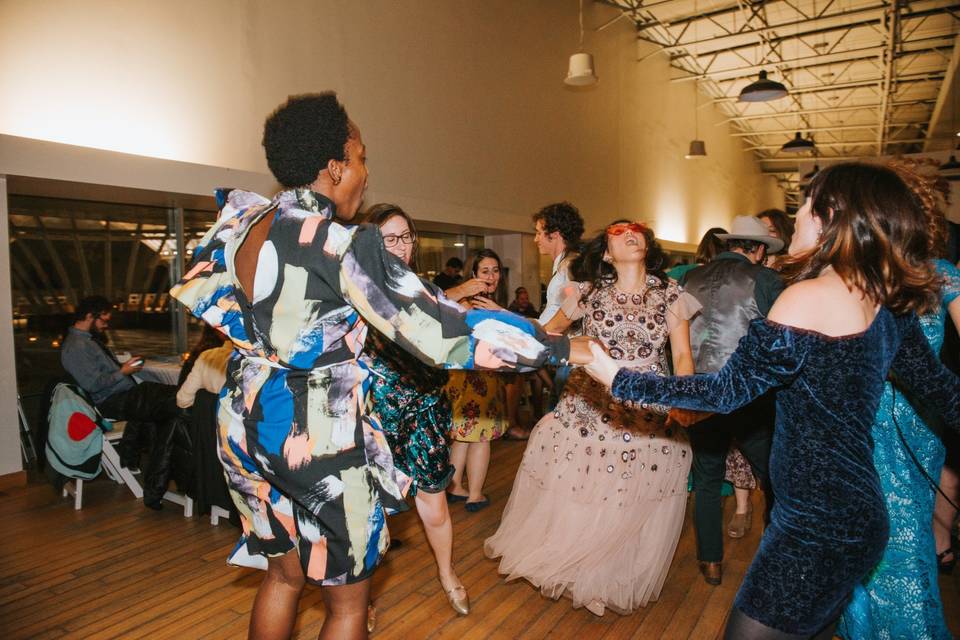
x=829, y=525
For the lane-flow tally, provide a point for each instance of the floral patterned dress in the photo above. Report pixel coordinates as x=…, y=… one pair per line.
x=598, y=502
x=479, y=413
x=409, y=402
x=307, y=468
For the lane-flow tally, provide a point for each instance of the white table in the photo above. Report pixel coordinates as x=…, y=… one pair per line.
x=162, y=371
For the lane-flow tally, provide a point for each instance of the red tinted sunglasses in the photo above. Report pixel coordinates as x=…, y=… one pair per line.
x=621, y=228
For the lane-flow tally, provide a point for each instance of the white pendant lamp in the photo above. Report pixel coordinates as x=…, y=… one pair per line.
x=580, y=72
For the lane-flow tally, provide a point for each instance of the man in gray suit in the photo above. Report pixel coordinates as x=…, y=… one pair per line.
x=734, y=289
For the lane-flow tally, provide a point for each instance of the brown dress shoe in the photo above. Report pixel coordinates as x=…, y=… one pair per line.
x=712, y=572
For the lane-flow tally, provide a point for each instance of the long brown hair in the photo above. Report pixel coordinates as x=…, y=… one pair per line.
x=590, y=266
x=874, y=236
x=710, y=245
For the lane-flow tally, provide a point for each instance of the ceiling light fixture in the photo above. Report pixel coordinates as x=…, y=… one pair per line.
x=580, y=70
x=762, y=90
x=799, y=144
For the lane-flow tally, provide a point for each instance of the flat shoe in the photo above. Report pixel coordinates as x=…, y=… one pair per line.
x=473, y=507
x=459, y=604
x=452, y=497
x=371, y=618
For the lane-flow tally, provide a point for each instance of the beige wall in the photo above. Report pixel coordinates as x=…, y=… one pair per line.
x=9, y=425
x=461, y=103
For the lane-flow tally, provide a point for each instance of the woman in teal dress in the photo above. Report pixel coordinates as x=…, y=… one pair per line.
x=414, y=412
x=900, y=598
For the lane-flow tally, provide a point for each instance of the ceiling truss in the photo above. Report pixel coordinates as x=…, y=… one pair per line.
x=865, y=78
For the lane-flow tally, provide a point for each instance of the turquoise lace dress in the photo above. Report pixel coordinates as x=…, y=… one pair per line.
x=900, y=598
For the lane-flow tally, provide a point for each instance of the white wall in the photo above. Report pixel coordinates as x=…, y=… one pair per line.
x=461, y=104
x=9, y=425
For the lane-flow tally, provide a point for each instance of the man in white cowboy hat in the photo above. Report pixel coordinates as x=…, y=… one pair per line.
x=734, y=289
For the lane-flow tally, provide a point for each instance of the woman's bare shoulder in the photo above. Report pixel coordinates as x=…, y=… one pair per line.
x=824, y=305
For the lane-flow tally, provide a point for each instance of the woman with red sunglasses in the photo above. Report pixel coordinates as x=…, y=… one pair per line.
x=598, y=502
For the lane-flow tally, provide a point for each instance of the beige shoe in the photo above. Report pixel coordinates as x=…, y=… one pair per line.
x=740, y=524
x=371, y=618
x=458, y=599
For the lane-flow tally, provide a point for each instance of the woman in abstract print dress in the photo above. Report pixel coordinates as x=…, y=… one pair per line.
x=900, y=598
x=597, y=505
x=408, y=400
x=860, y=250
x=294, y=290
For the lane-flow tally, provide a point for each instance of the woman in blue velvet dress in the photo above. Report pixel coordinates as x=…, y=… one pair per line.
x=900, y=598
x=860, y=251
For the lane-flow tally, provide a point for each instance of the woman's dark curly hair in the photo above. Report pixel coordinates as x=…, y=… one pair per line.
x=875, y=236
x=302, y=135
x=590, y=266
x=562, y=217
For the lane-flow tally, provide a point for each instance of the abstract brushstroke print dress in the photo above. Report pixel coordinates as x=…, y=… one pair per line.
x=308, y=470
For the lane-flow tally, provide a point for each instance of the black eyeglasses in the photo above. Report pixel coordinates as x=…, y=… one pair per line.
x=391, y=240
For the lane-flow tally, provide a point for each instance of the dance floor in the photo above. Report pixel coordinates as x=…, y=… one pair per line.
x=117, y=570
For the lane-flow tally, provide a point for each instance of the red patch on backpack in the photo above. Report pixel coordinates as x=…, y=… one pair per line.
x=80, y=426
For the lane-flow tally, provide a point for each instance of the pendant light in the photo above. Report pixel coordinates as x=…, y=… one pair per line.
x=799, y=144
x=580, y=70
x=762, y=90
x=951, y=164
x=698, y=149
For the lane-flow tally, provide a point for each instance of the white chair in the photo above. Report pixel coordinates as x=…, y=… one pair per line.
x=110, y=461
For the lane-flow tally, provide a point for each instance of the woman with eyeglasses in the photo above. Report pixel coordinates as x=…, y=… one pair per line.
x=597, y=505
x=408, y=399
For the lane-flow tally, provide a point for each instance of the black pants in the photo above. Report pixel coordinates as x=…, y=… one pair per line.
x=751, y=427
x=149, y=406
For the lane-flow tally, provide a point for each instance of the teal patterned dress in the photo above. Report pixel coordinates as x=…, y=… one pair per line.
x=306, y=466
x=409, y=401
x=900, y=598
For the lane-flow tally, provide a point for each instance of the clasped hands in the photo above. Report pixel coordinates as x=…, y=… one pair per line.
x=591, y=354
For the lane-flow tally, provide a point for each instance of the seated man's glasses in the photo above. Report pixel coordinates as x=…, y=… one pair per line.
x=390, y=240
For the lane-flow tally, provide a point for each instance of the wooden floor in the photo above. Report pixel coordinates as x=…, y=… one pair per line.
x=117, y=570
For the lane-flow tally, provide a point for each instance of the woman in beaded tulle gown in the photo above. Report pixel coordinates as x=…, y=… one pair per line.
x=860, y=251
x=598, y=502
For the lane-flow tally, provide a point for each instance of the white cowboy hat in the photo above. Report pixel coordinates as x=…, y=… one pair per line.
x=750, y=228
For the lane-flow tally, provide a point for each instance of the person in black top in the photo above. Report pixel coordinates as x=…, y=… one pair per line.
x=521, y=304
x=450, y=276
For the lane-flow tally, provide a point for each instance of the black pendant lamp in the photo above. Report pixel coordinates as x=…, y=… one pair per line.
x=798, y=144
x=762, y=90
x=812, y=174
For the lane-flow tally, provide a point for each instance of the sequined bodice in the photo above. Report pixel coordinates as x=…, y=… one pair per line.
x=632, y=326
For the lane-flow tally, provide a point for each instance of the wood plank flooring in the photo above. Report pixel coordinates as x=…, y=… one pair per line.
x=117, y=570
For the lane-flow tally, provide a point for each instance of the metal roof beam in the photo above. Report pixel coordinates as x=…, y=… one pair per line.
x=923, y=77
x=851, y=143
x=845, y=127
x=782, y=114
x=866, y=53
